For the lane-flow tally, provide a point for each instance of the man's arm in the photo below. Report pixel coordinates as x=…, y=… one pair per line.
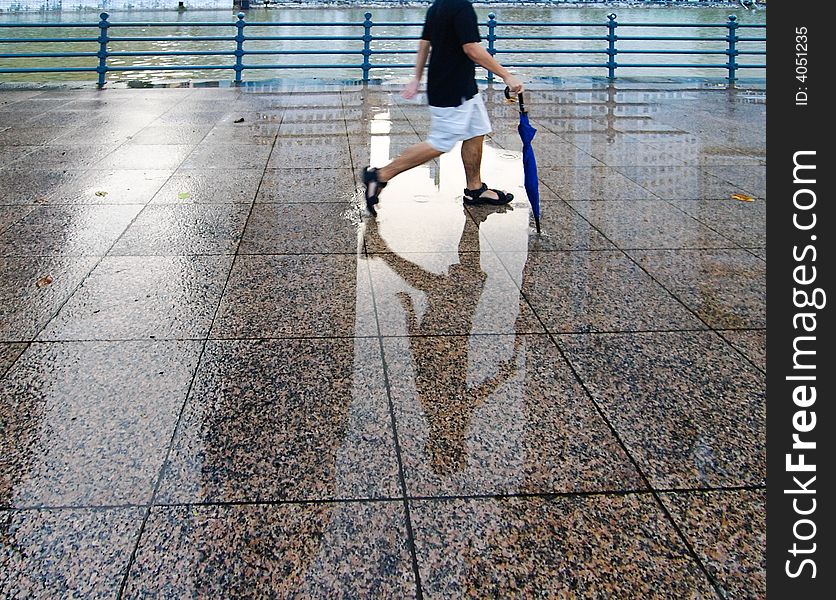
x=420, y=62
x=477, y=53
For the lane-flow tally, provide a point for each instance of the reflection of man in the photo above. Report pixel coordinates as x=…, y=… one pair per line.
x=457, y=111
x=441, y=362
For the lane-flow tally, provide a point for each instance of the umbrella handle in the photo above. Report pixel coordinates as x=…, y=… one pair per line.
x=519, y=96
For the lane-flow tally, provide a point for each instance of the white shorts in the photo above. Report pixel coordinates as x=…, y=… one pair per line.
x=452, y=124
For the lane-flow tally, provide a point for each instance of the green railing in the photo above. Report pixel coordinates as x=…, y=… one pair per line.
x=502, y=38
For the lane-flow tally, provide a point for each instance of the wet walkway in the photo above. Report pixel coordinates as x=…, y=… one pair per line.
x=219, y=379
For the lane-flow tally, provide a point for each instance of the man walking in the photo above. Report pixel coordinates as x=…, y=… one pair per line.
x=451, y=41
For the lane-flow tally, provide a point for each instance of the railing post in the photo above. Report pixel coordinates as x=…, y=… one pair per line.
x=732, y=50
x=102, y=53
x=367, y=46
x=611, y=51
x=491, y=40
x=239, y=48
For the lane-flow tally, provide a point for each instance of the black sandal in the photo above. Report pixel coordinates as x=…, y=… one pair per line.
x=474, y=197
x=373, y=186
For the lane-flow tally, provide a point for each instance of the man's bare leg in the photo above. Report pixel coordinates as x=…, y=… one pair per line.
x=415, y=155
x=472, y=160
x=376, y=179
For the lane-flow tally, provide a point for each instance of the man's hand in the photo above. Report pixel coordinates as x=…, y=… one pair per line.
x=514, y=83
x=411, y=88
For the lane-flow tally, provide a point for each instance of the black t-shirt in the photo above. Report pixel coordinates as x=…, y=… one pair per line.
x=452, y=75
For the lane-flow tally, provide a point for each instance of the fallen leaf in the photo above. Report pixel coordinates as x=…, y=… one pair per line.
x=101, y=193
x=44, y=281
x=241, y=120
x=184, y=195
x=742, y=197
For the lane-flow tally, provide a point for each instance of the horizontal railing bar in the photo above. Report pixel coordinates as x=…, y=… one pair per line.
x=561, y=65
x=205, y=38
x=305, y=66
x=604, y=24
x=50, y=55
x=551, y=37
x=396, y=24
x=672, y=65
x=675, y=25
x=297, y=38
x=45, y=40
x=651, y=38
x=403, y=38
x=306, y=52
x=53, y=25
x=405, y=51
x=522, y=24
x=360, y=24
x=304, y=24
x=396, y=66
x=50, y=70
x=175, y=53
x=545, y=51
x=230, y=39
x=171, y=68
x=745, y=66
x=673, y=52
x=171, y=24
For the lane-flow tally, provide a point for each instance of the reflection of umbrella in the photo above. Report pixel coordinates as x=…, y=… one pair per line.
x=532, y=186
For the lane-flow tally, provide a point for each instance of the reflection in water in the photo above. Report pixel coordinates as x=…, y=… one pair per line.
x=448, y=393
x=465, y=297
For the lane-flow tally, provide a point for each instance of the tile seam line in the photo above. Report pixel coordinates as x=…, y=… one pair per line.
x=499, y=334
x=75, y=289
x=17, y=219
x=410, y=531
x=385, y=336
x=655, y=280
x=715, y=330
x=653, y=492
x=182, y=255
x=700, y=170
x=705, y=223
x=585, y=494
x=100, y=258
x=690, y=550
x=186, y=255
x=671, y=203
x=195, y=339
x=177, y=426
x=393, y=499
x=643, y=477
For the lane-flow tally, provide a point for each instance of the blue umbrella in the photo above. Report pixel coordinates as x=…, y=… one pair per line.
x=532, y=186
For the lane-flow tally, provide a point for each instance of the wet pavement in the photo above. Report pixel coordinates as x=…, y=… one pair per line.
x=220, y=378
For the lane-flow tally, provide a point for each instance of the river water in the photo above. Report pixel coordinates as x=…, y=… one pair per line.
x=179, y=38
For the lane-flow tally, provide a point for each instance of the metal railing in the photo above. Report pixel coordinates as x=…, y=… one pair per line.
x=608, y=46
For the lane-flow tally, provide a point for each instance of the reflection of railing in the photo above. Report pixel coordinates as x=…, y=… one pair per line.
x=367, y=46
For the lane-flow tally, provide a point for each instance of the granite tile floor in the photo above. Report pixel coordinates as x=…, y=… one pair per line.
x=220, y=378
